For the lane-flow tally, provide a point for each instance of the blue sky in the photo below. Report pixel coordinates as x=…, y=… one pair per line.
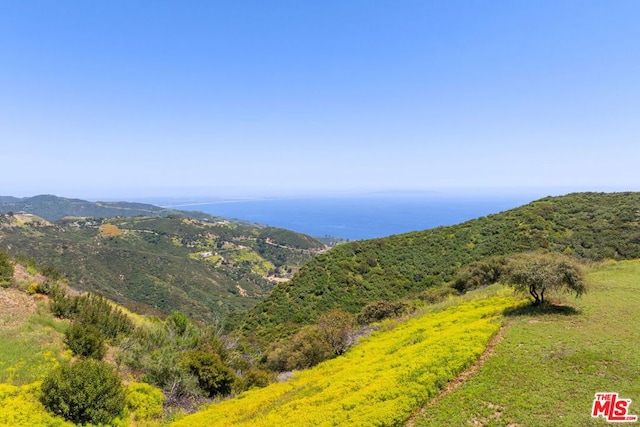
x=125, y=99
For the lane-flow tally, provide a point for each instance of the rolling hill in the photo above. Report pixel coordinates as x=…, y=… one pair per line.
x=53, y=208
x=545, y=370
x=590, y=226
x=206, y=269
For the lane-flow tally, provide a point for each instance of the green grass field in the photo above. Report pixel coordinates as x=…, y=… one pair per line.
x=548, y=367
x=30, y=339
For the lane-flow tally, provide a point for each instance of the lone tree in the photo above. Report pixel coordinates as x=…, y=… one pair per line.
x=336, y=328
x=538, y=272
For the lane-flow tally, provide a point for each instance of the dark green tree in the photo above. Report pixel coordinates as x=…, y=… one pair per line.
x=6, y=268
x=87, y=391
x=85, y=340
x=477, y=274
x=214, y=378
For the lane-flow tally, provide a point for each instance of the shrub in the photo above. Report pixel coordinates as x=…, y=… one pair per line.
x=213, y=376
x=254, y=378
x=87, y=391
x=144, y=401
x=6, y=269
x=98, y=311
x=436, y=294
x=336, y=327
x=90, y=309
x=32, y=289
x=307, y=348
x=60, y=305
x=376, y=311
x=85, y=341
x=162, y=368
x=481, y=273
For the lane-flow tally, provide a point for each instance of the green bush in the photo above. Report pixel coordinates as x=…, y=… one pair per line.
x=90, y=309
x=478, y=274
x=214, y=378
x=254, y=378
x=436, y=294
x=6, y=269
x=376, y=311
x=60, y=305
x=85, y=341
x=87, y=391
x=144, y=401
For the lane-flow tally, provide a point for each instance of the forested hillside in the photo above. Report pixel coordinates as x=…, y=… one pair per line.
x=206, y=269
x=586, y=225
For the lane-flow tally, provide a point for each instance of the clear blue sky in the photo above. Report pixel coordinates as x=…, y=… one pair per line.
x=131, y=98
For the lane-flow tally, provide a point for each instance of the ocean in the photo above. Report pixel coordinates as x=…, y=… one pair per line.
x=358, y=217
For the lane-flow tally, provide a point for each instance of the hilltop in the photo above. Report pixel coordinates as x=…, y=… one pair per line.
x=421, y=265
x=53, y=208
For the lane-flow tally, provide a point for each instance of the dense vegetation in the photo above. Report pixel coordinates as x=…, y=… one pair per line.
x=205, y=269
x=585, y=225
x=180, y=363
x=377, y=382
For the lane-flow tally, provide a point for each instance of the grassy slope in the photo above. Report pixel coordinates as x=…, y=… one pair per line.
x=587, y=225
x=548, y=367
x=30, y=338
x=379, y=381
x=30, y=345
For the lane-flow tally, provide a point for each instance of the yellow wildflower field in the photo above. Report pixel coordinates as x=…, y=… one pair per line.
x=378, y=382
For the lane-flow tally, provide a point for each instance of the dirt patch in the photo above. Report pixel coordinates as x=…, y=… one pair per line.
x=277, y=279
x=455, y=383
x=20, y=274
x=15, y=307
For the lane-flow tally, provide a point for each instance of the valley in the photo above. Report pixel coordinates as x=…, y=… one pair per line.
x=365, y=333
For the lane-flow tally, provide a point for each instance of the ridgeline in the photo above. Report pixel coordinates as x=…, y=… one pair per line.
x=590, y=226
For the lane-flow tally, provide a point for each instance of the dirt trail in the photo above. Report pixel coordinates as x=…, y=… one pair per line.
x=455, y=383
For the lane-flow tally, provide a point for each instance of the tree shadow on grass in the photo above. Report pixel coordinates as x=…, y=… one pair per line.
x=542, y=309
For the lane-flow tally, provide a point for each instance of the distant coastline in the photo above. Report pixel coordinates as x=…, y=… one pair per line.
x=357, y=217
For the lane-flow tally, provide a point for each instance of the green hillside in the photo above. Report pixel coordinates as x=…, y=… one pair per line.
x=206, y=269
x=53, y=208
x=401, y=371
x=587, y=225
x=544, y=372
x=380, y=380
